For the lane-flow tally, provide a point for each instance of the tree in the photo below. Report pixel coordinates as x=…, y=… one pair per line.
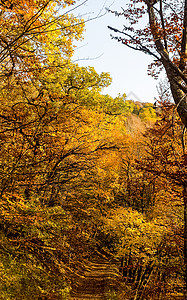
x=52, y=142
x=35, y=35
x=164, y=160
x=164, y=38
x=33, y=249
x=149, y=192
x=49, y=138
x=136, y=241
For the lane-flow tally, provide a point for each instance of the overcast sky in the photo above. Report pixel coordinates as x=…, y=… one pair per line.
x=127, y=68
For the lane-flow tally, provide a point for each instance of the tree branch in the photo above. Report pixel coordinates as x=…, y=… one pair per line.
x=184, y=41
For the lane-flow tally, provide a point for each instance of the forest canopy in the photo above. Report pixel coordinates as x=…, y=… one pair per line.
x=82, y=175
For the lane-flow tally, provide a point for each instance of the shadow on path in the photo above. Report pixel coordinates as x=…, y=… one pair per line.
x=95, y=280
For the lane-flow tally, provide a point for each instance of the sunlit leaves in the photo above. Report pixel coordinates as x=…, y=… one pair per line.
x=133, y=234
x=35, y=30
x=31, y=246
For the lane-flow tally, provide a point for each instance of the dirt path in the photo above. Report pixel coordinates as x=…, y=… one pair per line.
x=96, y=281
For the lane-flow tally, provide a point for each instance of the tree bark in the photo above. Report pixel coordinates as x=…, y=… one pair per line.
x=178, y=81
x=176, y=75
x=185, y=233
x=184, y=41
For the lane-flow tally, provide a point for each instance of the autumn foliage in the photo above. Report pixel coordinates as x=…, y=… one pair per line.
x=82, y=175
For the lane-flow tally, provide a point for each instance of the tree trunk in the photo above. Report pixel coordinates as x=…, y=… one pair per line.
x=185, y=234
x=178, y=95
x=176, y=75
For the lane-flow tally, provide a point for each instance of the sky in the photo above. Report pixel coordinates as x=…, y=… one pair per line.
x=127, y=68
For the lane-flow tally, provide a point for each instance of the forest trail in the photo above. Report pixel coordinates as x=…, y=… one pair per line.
x=97, y=280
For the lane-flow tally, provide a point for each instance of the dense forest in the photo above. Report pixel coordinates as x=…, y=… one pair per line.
x=86, y=177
